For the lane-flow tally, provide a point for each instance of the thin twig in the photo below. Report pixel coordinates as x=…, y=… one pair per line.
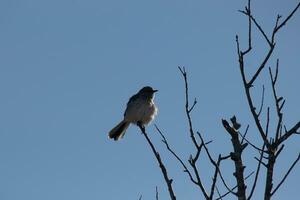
x=192, y=107
x=257, y=173
x=262, y=66
x=285, y=136
x=277, y=100
x=234, y=187
x=164, y=140
x=262, y=101
x=286, y=175
x=251, y=144
x=217, y=168
x=219, y=193
x=288, y=18
x=198, y=147
x=258, y=27
x=192, y=134
x=244, y=136
x=248, y=11
x=161, y=164
x=248, y=95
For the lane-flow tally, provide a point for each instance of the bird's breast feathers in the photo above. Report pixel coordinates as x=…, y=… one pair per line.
x=143, y=111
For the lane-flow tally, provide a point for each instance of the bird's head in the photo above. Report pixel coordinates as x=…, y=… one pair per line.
x=147, y=91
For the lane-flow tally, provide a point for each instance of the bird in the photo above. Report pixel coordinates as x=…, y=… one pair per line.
x=140, y=111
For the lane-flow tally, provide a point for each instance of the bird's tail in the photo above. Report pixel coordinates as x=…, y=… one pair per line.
x=118, y=132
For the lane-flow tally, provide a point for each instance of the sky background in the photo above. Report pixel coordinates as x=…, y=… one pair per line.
x=68, y=67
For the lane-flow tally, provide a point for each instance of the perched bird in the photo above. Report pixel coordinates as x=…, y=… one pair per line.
x=140, y=110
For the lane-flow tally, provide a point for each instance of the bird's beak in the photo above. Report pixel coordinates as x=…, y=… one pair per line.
x=155, y=91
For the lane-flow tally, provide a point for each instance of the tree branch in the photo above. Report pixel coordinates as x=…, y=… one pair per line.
x=234, y=187
x=164, y=140
x=285, y=136
x=161, y=164
x=287, y=19
x=236, y=156
x=257, y=172
x=248, y=95
x=286, y=175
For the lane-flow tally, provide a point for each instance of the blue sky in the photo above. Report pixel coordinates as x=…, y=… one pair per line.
x=68, y=67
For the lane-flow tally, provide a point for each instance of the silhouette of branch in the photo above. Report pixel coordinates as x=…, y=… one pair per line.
x=220, y=197
x=287, y=19
x=224, y=195
x=248, y=95
x=192, y=107
x=257, y=25
x=164, y=140
x=161, y=164
x=286, y=175
x=251, y=144
x=285, y=136
x=187, y=107
x=198, y=146
x=218, y=171
x=277, y=100
x=257, y=173
x=236, y=156
x=273, y=145
x=248, y=12
x=262, y=101
x=244, y=136
x=217, y=168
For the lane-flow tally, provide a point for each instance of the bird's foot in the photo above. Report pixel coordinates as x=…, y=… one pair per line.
x=142, y=127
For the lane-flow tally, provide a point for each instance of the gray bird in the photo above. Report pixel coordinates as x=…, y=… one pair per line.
x=140, y=110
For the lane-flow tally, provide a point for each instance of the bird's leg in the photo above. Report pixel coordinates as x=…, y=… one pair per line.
x=142, y=127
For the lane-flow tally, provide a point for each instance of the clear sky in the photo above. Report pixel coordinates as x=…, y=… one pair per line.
x=68, y=67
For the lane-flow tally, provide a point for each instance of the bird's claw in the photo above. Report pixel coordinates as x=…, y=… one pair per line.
x=142, y=127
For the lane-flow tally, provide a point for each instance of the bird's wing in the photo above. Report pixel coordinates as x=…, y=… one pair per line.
x=132, y=99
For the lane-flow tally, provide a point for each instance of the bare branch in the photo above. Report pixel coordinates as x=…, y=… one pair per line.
x=258, y=26
x=257, y=172
x=236, y=156
x=248, y=95
x=213, y=185
x=262, y=101
x=262, y=65
x=164, y=140
x=198, y=147
x=277, y=100
x=268, y=121
x=161, y=164
x=244, y=136
x=288, y=134
x=216, y=164
x=276, y=25
x=287, y=19
x=192, y=134
x=251, y=144
x=195, y=102
x=217, y=171
x=219, y=193
x=270, y=171
x=261, y=162
x=234, y=187
x=248, y=11
x=286, y=175
x=277, y=69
